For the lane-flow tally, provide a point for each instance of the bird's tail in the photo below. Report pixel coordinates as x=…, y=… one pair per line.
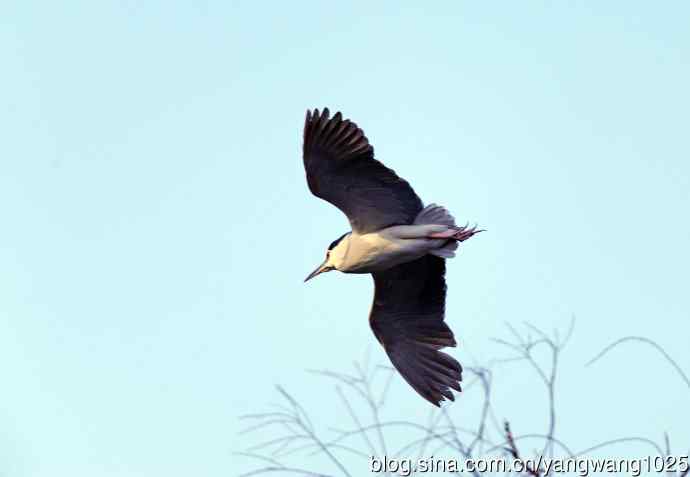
x=434, y=214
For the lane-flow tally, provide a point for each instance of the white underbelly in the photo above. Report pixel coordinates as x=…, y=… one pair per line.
x=375, y=252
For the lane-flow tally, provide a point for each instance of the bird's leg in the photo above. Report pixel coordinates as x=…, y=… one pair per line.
x=459, y=234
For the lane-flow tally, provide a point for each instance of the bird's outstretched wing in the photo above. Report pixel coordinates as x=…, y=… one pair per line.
x=407, y=319
x=341, y=169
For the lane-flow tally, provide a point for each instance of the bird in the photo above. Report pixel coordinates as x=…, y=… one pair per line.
x=403, y=244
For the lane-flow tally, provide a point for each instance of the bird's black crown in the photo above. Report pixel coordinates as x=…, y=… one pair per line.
x=337, y=241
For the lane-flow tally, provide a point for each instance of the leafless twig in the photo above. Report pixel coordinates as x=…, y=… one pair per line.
x=362, y=395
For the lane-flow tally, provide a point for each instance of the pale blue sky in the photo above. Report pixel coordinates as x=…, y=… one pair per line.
x=156, y=225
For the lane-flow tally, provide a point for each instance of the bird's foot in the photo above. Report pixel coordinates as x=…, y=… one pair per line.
x=459, y=234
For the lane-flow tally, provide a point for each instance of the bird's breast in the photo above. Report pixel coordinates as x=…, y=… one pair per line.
x=378, y=251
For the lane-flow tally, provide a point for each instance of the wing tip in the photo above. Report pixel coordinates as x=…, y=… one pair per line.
x=432, y=374
x=339, y=137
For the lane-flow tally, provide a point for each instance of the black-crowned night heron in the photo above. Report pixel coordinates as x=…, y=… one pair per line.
x=395, y=238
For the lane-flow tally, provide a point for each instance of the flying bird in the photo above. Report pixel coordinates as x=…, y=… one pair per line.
x=400, y=242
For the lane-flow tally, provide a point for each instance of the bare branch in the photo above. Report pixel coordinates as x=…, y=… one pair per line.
x=512, y=449
x=268, y=470
x=649, y=342
x=367, y=388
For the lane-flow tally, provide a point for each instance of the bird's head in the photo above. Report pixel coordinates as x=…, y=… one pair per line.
x=335, y=255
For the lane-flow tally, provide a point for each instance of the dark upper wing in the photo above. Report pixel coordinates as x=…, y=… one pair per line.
x=407, y=319
x=341, y=169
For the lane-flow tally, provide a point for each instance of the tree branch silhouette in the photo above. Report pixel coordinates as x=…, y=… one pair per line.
x=362, y=396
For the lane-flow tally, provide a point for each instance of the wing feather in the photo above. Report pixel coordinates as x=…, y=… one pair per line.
x=341, y=169
x=407, y=317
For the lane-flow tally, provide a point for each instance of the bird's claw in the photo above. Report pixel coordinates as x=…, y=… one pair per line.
x=458, y=233
x=463, y=233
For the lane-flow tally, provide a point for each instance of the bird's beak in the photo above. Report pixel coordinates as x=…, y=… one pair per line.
x=319, y=270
